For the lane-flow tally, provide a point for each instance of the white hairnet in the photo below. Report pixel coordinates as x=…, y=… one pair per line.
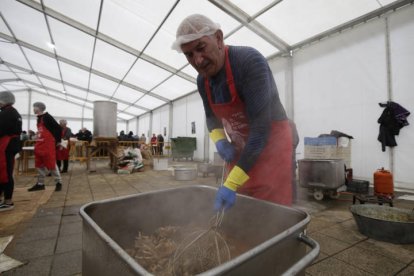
x=40, y=105
x=193, y=27
x=7, y=97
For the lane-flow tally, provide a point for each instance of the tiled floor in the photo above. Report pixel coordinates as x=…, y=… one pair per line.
x=47, y=227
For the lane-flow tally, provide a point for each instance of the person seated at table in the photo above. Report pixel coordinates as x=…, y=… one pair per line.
x=32, y=135
x=84, y=135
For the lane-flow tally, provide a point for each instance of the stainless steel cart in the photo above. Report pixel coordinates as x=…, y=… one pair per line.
x=322, y=176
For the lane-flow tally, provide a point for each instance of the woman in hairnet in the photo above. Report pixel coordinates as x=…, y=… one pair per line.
x=49, y=137
x=10, y=130
x=241, y=102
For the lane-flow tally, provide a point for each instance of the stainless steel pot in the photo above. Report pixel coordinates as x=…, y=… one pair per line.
x=274, y=233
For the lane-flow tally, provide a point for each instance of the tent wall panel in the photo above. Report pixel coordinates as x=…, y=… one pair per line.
x=401, y=25
x=144, y=126
x=160, y=120
x=186, y=111
x=338, y=84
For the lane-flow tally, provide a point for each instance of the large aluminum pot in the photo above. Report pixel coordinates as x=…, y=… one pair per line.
x=273, y=233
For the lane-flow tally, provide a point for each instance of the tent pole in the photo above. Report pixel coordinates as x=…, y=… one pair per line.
x=28, y=109
x=389, y=80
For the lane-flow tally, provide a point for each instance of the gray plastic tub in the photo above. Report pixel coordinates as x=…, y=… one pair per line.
x=389, y=224
x=274, y=233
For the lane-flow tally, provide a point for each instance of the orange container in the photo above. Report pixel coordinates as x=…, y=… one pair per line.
x=383, y=182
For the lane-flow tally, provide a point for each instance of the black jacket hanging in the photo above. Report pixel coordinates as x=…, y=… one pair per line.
x=392, y=119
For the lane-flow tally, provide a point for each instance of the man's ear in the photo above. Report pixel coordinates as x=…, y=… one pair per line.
x=219, y=38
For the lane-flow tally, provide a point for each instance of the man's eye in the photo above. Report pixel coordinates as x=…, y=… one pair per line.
x=200, y=49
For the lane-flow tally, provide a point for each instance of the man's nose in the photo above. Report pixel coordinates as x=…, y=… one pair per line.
x=198, y=59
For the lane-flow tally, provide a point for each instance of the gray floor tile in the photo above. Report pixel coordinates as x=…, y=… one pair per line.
x=45, y=220
x=317, y=224
x=399, y=252
x=334, y=267
x=70, y=219
x=343, y=234
x=329, y=245
x=39, y=267
x=71, y=210
x=39, y=232
x=69, y=263
x=70, y=228
x=407, y=271
x=49, y=212
x=370, y=261
x=69, y=243
x=33, y=249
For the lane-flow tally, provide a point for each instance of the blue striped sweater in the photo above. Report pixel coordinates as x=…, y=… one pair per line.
x=257, y=89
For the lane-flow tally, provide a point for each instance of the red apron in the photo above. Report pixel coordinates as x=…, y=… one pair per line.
x=45, y=148
x=63, y=153
x=270, y=176
x=4, y=142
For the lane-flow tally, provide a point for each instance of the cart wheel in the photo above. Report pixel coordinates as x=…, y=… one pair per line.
x=318, y=195
x=333, y=194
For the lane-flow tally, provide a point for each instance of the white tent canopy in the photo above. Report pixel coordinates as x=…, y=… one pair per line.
x=75, y=52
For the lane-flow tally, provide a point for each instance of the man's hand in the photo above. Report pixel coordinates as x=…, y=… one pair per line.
x=226, y=150
x=225, y=199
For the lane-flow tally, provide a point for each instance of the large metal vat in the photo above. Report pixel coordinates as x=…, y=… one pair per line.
x=274, y=233
x=104, y=119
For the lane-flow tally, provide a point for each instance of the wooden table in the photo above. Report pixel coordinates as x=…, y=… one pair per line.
x=108, y=144
x=27, y=154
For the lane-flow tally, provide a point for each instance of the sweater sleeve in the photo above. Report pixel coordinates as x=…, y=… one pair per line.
x=258, y=91
x=53, y=127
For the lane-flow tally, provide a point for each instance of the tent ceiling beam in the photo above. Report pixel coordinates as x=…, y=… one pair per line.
x=251, y=23
x=80, y=66
x=9, y=80
x=70, y=118
x=78, y=104
x=105, y=38
x=69, y=84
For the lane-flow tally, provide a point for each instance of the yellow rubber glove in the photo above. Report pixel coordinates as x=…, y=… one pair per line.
x=236, y=178
x=217, y=134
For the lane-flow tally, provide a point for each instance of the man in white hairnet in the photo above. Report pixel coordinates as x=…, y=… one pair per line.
x=49, y=137
x=241, y=102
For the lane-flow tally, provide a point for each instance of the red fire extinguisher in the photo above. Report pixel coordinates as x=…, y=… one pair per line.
x=383, y=182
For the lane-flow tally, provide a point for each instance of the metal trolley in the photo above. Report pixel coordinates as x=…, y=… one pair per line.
x=322, y=177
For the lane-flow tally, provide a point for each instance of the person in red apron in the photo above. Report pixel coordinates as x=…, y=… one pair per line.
x=62, y=152
x=49, y=137
x=244, y=114
x=10, y=145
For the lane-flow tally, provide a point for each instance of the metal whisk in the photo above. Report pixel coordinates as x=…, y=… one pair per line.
x=202, y=249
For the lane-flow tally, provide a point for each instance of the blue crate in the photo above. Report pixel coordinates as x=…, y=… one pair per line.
x=320, y=141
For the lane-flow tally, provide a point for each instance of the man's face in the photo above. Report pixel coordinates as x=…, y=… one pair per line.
x=36, y=110
x=206, y=54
